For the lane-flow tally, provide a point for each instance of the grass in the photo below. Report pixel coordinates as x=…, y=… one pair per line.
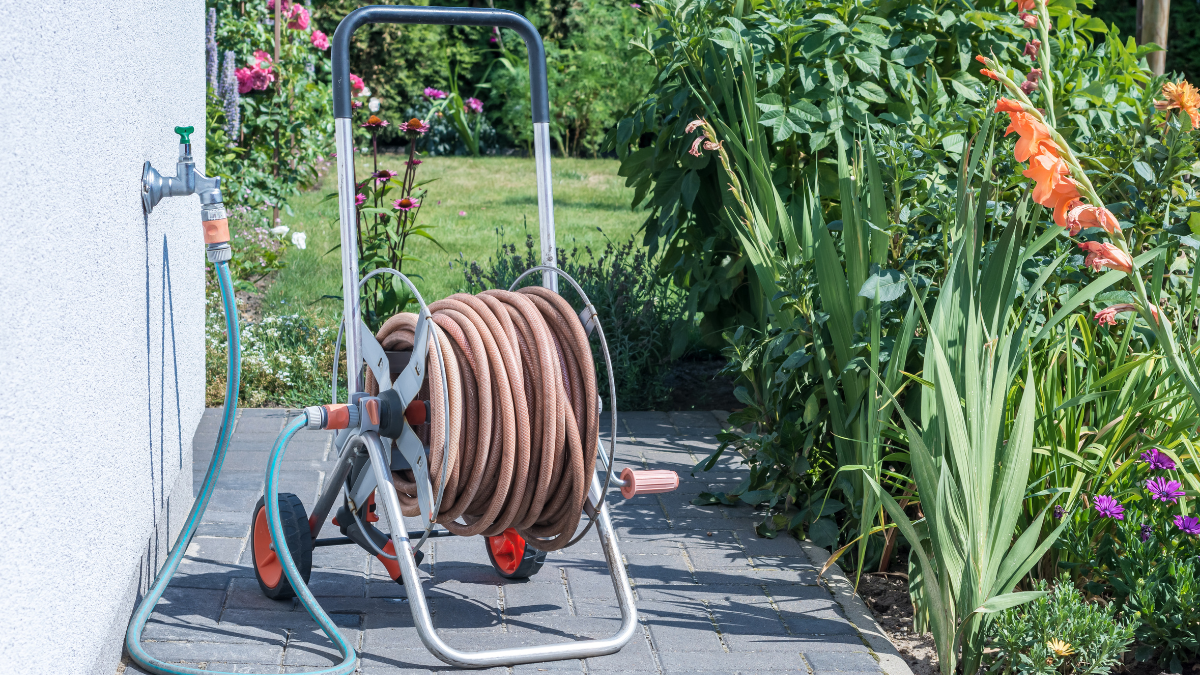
x=498, y=194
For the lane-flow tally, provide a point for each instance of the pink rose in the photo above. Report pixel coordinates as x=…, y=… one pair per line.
x=356, y=85
x=260, y=78
x=262, y=59
x=319, y=40
x=299, y=18
x=243, y=78
x=283, y=8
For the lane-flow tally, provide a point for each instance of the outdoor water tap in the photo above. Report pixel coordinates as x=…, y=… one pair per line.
x=186, y=181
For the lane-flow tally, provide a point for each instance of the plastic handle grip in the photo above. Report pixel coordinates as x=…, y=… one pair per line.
x=185, y=134
x=648, y=482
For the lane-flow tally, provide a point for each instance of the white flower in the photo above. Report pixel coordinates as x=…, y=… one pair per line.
x=280, y=230
x=299, y=239
x=373, y=105
x=366, y=91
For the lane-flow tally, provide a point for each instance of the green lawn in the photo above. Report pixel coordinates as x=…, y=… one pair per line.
x=496, y=194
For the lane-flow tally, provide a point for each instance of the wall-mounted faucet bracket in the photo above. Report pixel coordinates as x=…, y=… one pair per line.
x=186, y=181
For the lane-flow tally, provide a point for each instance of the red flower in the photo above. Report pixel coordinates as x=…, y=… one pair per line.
x=987, y=73
x=1101, y=255
x=1029, y=20
x=1031, y=49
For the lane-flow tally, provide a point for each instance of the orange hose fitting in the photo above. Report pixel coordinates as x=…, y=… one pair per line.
x=216, y=231
x=648, y=482
x=337, y=415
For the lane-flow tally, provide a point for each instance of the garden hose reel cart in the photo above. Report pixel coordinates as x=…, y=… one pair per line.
x=368, y=425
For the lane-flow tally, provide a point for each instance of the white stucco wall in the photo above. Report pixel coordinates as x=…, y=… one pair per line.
x=101, y=322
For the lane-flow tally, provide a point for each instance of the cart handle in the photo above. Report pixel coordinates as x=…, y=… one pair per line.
x=453, y=16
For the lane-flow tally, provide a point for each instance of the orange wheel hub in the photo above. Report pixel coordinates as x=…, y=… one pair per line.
x=508, y=549
x=270, y=570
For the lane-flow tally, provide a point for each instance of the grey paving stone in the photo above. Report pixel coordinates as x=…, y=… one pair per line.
x=573, y=666
x=191, y=605
x=761, y=593
x=216, y=549
x=170, y=630
x=743, y=663
x=230, y=652
x=536, y=600
x=314, y=648
x=842, y=661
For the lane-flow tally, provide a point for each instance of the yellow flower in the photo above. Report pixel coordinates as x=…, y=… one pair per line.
x=1060, y=648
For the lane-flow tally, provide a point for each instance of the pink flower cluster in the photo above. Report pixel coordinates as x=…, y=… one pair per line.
x=257, y=77
x=294, y=13
x=356, y=85
x=473, y=105
x=319, y=40
x=434, y=94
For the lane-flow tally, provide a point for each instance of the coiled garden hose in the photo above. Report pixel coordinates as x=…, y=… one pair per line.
x=137, y=623
x=522, y=414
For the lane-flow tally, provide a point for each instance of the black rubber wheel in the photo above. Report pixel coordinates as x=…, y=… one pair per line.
x=512, y=557
x=267, y=568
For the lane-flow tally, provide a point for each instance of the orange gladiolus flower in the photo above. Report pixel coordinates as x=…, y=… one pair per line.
x=1081, y=216
x=1183, y=97
x=981, y=58
x=987, y=73
x=1050, y=173
x=1025, y=5
x=1008, y=105
x=1102, y=254
x=1035, y=137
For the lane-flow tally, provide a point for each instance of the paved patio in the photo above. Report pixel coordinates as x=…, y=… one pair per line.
x=711, y=595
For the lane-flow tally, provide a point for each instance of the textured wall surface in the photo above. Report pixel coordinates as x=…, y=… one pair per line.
x=101, y=333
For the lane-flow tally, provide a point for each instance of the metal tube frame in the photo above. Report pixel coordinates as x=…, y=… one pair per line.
x=369, y=440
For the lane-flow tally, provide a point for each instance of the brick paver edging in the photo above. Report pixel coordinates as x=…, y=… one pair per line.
x=869, y=629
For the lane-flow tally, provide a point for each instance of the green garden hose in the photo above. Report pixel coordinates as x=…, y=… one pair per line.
x=137, y=623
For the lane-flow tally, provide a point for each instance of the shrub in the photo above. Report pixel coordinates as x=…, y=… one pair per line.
x=637, y=310
x=1060, y=632
x=286, y=360
x=285, y=129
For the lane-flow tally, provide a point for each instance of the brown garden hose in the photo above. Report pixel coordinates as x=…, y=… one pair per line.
x=523, y=419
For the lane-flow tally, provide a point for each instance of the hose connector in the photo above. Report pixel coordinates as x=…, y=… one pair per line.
x=218, y=253
x=215, y=222
x=332, y=416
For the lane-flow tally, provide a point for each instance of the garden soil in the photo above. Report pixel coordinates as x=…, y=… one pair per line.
x=887, y=597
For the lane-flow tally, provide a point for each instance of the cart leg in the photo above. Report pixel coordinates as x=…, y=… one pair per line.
x=515, y=655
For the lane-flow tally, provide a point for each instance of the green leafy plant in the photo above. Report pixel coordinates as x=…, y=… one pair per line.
x=637, y=310
x=387, y=211
x=286, y=359
x=971, y=455
x=1058, y=633
x=286, y=126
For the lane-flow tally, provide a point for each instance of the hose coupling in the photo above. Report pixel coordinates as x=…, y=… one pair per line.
x=215, y=222
x=217, y=253
x=332, y=416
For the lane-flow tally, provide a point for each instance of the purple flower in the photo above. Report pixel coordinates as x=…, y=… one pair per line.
x=405, y=204
x=474, y=105
x=434, y=94
x=1164, y=490
x=1058, y=512
x=1145, y=534
x=1108, y=507
x=1188, y=524
x=1158, y=460
x=383, y=175
x=635, y=5
x=359, y=199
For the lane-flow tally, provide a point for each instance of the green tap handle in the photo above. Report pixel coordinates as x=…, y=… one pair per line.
x=184, y=133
